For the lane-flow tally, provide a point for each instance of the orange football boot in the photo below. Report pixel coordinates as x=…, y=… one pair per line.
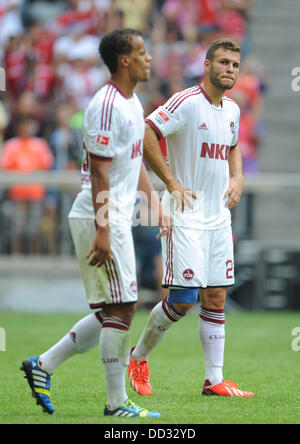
x=225, y=388
x=139, y=374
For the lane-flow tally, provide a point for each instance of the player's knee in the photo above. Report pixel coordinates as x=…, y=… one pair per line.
x=183, y=299
x=124, y=312
x=214, y=298
x=182, y=308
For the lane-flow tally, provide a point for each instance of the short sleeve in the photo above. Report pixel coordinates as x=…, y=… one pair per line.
x=101, y=130
x=171, y=118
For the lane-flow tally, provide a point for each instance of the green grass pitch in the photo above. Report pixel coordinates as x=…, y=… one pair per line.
x=258, y=356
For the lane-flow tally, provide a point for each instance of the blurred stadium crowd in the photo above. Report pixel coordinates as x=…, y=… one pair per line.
x=49, y=50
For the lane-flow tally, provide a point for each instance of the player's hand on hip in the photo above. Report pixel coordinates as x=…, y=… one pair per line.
x=100, y=251
x=234, y=191
x=165, y=223
x=182, y=196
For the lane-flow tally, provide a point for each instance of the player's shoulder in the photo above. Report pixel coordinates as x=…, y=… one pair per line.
x=137, y=101
x=105, y=104
x=109, y=95
x=183, y=99
x=229, y=103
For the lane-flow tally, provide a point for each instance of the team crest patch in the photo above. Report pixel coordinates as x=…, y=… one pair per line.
x=133, y=287
x=232, y=127
x=188, y=274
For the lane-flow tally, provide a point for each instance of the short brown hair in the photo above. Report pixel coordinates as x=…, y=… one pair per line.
x=225, y=43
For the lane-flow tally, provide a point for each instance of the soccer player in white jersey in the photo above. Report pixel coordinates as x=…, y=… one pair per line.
x=100, y=223
x=201, y=128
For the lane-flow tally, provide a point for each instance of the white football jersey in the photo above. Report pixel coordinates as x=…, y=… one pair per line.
x=199, y=138
x=113, y=129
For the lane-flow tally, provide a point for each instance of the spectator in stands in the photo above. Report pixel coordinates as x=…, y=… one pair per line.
x=79, y=78
x=249, y=82
x=86, y=12
x=135, y=12
x=208, y=15
x=14, y=55
x=181, y=13
x=10, y=21
x=27, y=105
x=25, y=154
x=39, y=43
x=65, y=143
x=250, y=133
x=76, y=37
x=231, y=22
x=242, y=6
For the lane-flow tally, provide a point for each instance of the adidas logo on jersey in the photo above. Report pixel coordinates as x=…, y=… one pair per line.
x=203, y=126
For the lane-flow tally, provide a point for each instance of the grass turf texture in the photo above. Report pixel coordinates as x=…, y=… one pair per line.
x=258, y=356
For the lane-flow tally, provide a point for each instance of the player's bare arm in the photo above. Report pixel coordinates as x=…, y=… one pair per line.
x=164, y=221
x=236, y=181
x=101, y=248
x=156, y=161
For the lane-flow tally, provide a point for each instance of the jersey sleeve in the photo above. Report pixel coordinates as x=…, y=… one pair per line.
x=235, y=129
x=102, y=130
x=171, y=118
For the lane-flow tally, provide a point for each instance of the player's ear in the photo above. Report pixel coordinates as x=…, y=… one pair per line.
x=207, y=65
x=124, y=60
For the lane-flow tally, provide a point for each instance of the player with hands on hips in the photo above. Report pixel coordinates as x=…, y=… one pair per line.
x=201, y=128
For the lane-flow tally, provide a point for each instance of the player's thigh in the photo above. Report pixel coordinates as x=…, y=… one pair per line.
x=185, y=255
x=114, y=282
x=120, y=271
x=221, y=259
x=83, y=232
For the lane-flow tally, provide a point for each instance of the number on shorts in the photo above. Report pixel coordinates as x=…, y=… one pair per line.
x=229, y=266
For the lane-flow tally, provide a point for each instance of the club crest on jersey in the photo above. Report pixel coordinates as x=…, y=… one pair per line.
x=232, y=128
x=133, y=287
x=136, y=149
x=188, y=274
x=215, y=151
x=102, y=140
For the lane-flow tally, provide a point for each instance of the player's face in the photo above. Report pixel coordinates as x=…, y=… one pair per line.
x=139, y=61
x=224, y=69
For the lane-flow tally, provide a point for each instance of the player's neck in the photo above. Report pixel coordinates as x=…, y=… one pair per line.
x=215, y=94
x=126, y=88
